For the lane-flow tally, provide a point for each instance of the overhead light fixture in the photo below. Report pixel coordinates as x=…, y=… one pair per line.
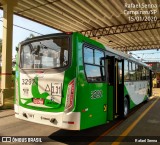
x=110, y=41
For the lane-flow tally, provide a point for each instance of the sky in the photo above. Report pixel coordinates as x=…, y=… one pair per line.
x=147, y=55
x=20, y=34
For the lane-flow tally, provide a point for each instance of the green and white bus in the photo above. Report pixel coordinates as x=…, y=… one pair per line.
x=73, y=82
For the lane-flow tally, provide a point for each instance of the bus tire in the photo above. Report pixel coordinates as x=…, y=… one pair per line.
x=148, y=96
x=126, y=107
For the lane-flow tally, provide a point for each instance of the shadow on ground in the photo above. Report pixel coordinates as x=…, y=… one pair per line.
x=89, y=135
x=81, y=137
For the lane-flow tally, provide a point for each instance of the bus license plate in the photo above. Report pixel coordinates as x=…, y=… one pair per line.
x=38, y=101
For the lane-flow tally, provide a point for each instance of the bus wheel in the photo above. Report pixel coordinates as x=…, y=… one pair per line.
x=148, y=95
x=147, y=98
x=126, y=107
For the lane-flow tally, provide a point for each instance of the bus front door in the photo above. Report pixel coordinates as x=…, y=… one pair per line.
x=120, y=87
x=115, y=88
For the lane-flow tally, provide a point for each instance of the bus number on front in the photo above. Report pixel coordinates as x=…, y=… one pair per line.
x=54, y=88
x=28, y=81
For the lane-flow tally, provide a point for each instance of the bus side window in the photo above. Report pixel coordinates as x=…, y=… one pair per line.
x=126, y=71
x=120, y=72
x=144, y=73
x=136, y=71
x=139, y=75
x=147, y=74
x=94, y=64
x=130, y=71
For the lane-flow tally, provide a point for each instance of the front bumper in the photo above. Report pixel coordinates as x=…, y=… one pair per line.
x=70, y=121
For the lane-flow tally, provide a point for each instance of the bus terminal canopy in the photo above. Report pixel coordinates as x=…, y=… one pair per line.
x=123, y=25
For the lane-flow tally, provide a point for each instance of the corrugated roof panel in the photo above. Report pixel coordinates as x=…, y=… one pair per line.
x=82, y=15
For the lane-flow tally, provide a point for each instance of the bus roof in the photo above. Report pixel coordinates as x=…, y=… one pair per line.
x=127, y=56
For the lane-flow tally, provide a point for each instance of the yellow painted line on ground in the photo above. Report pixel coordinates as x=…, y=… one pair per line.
x=129, y=129
x=152, y=97
x=113, y=127
x=106, y=132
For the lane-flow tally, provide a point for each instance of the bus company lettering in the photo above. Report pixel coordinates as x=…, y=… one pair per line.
x=96, y=94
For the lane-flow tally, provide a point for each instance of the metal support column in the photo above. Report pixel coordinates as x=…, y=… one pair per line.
x=6, y=74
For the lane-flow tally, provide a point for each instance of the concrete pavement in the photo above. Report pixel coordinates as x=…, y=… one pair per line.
x=147, y=126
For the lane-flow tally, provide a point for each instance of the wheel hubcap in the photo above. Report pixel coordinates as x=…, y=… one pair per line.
x=125, y=107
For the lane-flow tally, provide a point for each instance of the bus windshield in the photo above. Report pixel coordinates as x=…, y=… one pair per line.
x=46, y=53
